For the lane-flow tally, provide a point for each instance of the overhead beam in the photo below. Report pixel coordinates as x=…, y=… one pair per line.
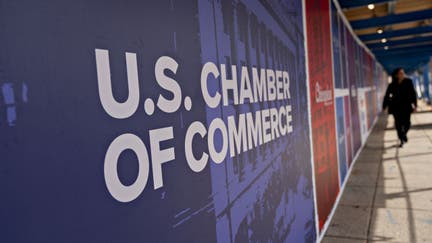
x=403, y=60
x=409, y=67
x=390, y=65
x=409, y=41
x=410, y=48
x=397, y=33
x=409, y=63
x=427, y=50
x=359, y=3
x=402, y=51
x=391, y=19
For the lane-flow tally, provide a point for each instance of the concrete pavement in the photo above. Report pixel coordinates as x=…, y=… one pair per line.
x=388, y=197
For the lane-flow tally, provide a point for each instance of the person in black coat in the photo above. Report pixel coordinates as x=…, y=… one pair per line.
x=401, y=101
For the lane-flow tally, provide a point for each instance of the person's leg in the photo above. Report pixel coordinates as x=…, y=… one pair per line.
x=399, y=127
x=406, y=125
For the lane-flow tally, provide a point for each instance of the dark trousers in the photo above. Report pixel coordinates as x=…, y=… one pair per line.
x=403, y=124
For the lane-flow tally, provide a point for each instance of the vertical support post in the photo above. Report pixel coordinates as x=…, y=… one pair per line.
x=426, y=82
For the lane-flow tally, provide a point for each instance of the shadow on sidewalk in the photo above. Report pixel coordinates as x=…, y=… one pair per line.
x=422, y=126
x=382, y=190
x=413, y=127
x=395, y=214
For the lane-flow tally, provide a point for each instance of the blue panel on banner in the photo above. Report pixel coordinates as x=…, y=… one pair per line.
x=97, y=99
x=342, y=157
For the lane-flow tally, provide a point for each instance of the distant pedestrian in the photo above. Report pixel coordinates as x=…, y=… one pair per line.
x=401, y=100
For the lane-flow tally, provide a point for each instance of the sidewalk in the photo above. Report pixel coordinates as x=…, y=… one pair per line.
x=388, y=197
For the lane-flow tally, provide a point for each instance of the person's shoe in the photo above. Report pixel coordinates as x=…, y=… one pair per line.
x=405, y=139
x=401, y=143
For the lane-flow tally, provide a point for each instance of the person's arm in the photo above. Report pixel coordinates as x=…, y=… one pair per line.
x=386, y=98
x=412, y=95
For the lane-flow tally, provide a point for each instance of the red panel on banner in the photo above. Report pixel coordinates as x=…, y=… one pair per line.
x=322, y=107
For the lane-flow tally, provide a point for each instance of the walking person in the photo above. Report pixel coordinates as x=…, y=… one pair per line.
x=401, y=101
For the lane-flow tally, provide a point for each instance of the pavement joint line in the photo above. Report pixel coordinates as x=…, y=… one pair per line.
x=405, y=209
x=374, y=194
x=385, y=207
x=389, y=186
